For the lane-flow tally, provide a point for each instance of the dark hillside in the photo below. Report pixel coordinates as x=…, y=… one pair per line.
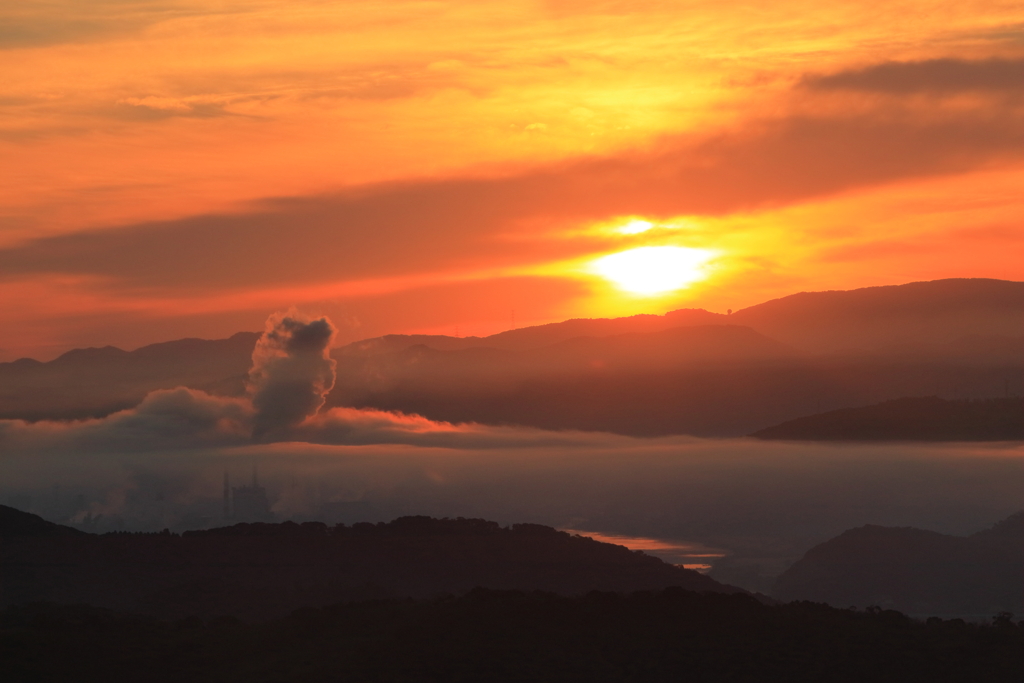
x=926, y=418
x=632, y=394
x=15, y=523
x=705, y=380
x=264, y=570
x=915, y=571
x=511, y=636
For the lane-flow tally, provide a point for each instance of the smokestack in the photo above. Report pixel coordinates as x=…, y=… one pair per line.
x=227, y=497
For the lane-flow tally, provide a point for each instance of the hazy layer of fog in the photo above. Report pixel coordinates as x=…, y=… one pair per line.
x=162, y=464
x=756, y=500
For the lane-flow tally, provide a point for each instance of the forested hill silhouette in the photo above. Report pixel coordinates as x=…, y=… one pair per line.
x=915, y=571
x=15, y=524
x=266, y=570
x=925, y=418
x=686, y=372
x=512, y=636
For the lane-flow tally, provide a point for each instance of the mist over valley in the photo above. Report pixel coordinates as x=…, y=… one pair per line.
x=184, y=457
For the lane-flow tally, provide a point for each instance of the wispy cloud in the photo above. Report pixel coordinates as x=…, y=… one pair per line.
x=421, y=144
x=434, y=226
x=153, y=108
x=31, y=23
x=938, y=76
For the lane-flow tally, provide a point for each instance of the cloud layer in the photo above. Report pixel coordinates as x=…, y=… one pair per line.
x=364, y=159
x=427, y=228
x=938, y=76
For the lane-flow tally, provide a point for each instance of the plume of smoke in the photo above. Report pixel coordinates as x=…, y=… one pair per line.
x=292, y=372
x=288, y=383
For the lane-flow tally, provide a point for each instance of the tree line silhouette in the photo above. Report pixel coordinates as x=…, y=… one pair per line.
x=263, y=570
x=488, y=635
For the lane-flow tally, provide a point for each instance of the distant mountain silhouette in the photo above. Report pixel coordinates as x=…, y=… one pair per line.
x=540, y=336
x=664, y=374
x=670, y=381
x=925, y=418
x=891, y=318
x=931, y=315
x=263, y=570
x=95, y=382
x=914, y=571
x=686, y=372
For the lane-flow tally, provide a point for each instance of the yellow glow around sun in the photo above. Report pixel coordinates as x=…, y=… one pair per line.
x=635, y=227
x=653, y=270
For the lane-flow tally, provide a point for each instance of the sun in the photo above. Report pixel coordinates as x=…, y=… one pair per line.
x=649, y=271
x=634, y=227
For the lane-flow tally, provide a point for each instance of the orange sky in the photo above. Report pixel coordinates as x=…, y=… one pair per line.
x=183, y=168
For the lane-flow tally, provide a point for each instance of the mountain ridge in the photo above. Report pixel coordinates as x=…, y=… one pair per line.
x=914, y=570
x=262, y=570
x=917, y=418
x=1011, y=297
x=609, y=373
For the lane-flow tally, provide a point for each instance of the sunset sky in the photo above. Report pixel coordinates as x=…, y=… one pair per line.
x=176, y=168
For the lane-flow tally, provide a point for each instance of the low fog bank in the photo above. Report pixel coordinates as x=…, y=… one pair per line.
x=764, y=504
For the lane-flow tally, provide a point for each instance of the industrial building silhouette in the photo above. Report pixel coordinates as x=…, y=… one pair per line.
x=246, y=503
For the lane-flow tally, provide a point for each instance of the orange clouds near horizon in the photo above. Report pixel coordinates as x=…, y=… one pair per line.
x=184, y=168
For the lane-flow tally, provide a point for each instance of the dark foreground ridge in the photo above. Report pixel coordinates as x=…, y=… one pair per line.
x=924, y=418
x=497, y=636
x=258, y=571
x=915, y=571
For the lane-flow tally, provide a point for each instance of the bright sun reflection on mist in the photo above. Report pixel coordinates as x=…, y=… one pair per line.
x=653, y=270
x=635, y=227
